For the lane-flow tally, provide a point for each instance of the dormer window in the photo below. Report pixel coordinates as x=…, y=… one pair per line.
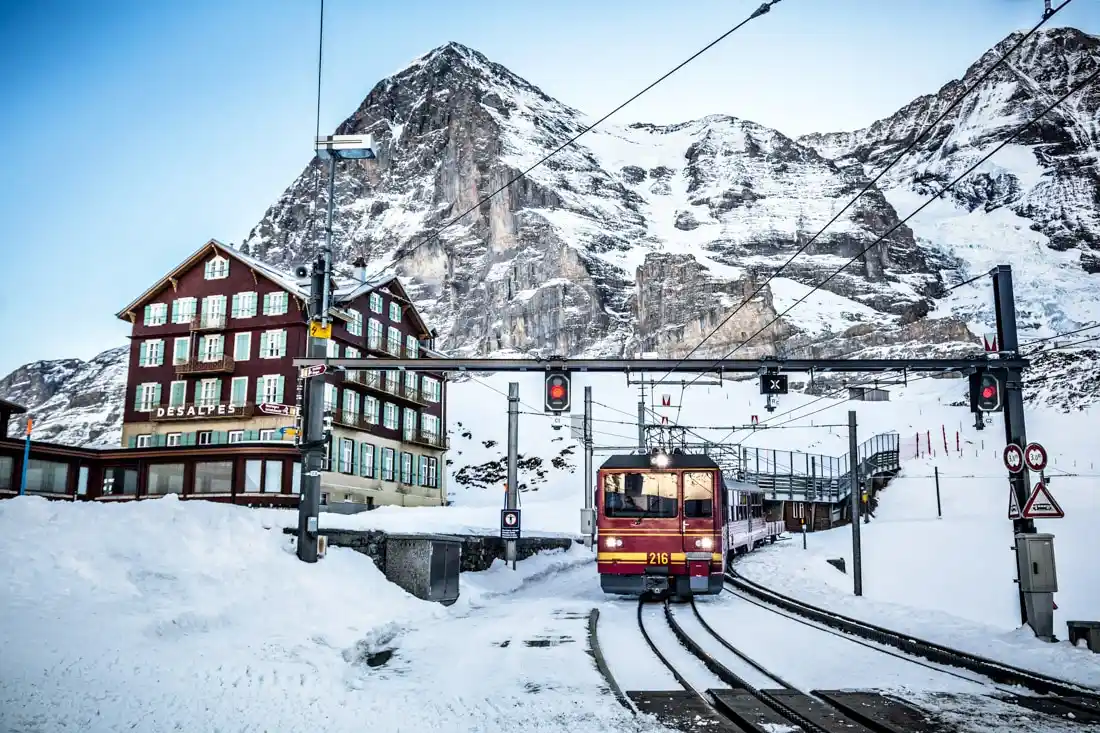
x=217, y=268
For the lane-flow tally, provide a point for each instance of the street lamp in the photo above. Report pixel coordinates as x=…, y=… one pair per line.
x=331, y=148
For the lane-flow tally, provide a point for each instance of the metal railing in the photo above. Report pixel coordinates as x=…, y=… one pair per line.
x=815, y=477
x=204, y=366
x=209, y=321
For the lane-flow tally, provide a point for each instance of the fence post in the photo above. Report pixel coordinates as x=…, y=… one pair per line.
x=939, y=510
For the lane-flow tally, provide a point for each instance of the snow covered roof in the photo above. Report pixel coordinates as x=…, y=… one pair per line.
x=11, y=408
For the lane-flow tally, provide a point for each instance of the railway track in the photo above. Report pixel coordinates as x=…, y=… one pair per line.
x=1061, y=692
x=722, y=688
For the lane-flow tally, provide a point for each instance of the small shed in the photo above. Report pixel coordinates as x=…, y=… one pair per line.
x=868, y=394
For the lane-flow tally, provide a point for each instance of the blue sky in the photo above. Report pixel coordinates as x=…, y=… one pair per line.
x=133, y=131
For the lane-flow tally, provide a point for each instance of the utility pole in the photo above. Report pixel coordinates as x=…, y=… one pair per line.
x=512, y=495
x=641, y=425
x=313, y=442
x=1015, y=432
x=853, y=466
x=589, y=499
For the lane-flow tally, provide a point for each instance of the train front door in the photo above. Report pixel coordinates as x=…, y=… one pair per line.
x=699, y=516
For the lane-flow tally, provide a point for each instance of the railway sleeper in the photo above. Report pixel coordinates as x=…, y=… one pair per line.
x=683, y=710
x=882, y=713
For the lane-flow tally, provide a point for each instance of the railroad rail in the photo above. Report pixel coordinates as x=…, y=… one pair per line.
x=1069, y=694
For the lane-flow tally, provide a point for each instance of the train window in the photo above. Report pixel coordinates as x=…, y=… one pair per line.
x=698, y=494
x=640, y=495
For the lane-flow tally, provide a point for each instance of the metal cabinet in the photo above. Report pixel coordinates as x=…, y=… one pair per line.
x=425, y=565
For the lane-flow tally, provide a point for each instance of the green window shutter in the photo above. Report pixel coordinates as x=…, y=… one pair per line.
x=156, y=394
x=200, y=352
x=143, y=352
x=220, y=351
x=279, y=390
x=282, y=343
x=236, y=310
x=179, y=393
x=239, y=390
x=263, y=343
x=148, y=314
x=220, y=437
x=132, y=443
x=252, y=435
x=218, y=390
x=137, y=396
x=206, y=270
x=175, y=310
x=267, y=304
x=259, y=390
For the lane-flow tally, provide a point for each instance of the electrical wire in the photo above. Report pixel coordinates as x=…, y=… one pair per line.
x=929, y=128
x=1032, y=342
x=1015, y=133
x=764, y=8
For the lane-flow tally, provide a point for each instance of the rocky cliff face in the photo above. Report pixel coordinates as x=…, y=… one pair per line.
x=642, y=238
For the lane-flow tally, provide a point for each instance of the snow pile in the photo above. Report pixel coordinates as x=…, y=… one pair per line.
x=198, y=616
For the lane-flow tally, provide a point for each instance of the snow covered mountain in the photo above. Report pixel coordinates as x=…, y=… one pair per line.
x=641, y=238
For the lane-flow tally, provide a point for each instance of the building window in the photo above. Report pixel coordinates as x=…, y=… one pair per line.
x=389, y=415
x=273, y=344
x=412, y=347
x=332, y=349
x=430, y=387
x=374, y=334
x=183, y=310
x=406, y=467
x=242, y=346
x=216, y=268
x=156, y=314
x=253, y=475
x=236, y=436
x=144, y=441
x=351, y=407
x=387, y=464
x=347, y=456
x=366, y=460
x=173, y=438
x=165, y=478
x=210, y=391
x=269, y=388
x=392, y=382
x=213, y=477
x=212, y=347
x=275, y=304
x=395, y=312
x=267, y=435
x=177, y=394
x=393, y=341
x=429, y=425
x=151, y=353
x=355, y=326
x=433, y=473
x=181, y=350
x=422, y=473
x=376, y=302
x=147, y=396
x=238, y=391
x=244, y=304
x=370, y=409
x=213, y=312
x=296, y=478
x=331, y=396
x=273, y=477
x=50, y=477
x=409, y=424
x=410, y=384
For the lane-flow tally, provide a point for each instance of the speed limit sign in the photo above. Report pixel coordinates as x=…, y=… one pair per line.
x=1014, y=458
x=1035, y=456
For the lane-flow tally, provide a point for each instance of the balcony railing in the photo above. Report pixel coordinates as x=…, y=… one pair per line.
x=209, y=322
x=206, y=366
x=385, y=386
x=421, y=437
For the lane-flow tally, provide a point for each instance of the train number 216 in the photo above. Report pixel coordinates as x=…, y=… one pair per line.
x=656, y=558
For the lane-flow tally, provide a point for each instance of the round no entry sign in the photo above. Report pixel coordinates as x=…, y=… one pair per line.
x=1035, y=456
x=1014, y=458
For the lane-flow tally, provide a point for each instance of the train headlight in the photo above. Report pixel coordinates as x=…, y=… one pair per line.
x=612, y=542
x=704, y=543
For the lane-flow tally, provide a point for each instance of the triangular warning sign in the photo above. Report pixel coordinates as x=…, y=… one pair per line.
x=1042, y=505
x=1013, y=505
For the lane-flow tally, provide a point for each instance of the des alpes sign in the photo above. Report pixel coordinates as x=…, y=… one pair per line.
x=199, y=412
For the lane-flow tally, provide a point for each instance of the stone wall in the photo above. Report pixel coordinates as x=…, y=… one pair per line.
x=478, y=552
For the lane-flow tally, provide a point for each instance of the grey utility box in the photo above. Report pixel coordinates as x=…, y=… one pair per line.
x=426, y=565
x=1035, y=562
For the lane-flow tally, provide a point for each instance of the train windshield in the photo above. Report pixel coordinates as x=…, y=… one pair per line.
x=640, y=495
x=698, y=494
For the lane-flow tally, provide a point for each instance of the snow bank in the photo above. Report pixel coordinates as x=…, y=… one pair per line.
x=166, y=615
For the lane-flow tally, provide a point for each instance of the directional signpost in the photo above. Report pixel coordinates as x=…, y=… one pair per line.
x=509, y=524
x=314, y=370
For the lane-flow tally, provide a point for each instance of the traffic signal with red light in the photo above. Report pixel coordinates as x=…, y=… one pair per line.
x=986, y=392
x=557, y=392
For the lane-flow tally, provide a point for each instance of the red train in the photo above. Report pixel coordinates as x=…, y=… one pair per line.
x=666, y=523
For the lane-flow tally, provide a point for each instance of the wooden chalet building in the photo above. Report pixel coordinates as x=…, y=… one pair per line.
x=212, y=345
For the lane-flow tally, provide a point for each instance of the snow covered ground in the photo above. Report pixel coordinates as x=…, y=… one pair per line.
x=168, y=615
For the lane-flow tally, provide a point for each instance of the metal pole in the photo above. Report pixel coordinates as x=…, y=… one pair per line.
x=513, y=451
x=589, y=499
x=939, y=509
x=853, y=467
x=1005, y=308
x=26, y=460
x=313, y=450
x=641, y=426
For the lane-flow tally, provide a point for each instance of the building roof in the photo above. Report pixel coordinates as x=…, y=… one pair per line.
x=11, y=408
x=676, y=460
x=346, y=290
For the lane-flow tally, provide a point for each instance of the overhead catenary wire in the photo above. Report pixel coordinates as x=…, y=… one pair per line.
x=764, y=8
x=929, y=128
